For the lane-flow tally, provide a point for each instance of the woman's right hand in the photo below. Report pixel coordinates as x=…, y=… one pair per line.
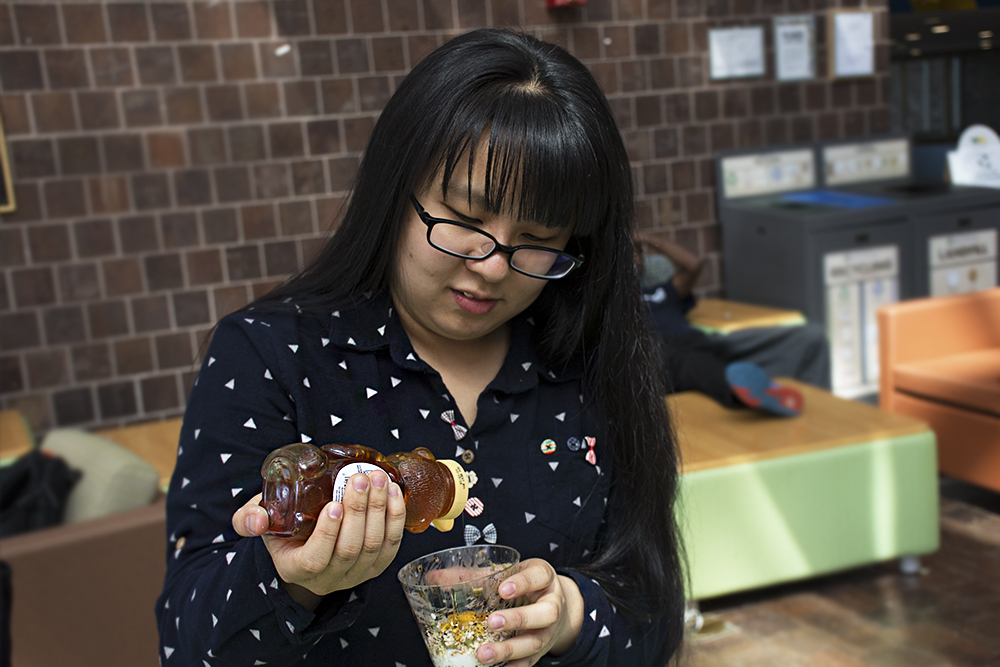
x=353, y=541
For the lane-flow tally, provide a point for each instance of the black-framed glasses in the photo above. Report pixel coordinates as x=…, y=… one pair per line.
x=459, y=239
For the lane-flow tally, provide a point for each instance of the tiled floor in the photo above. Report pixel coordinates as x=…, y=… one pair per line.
x=948, y=615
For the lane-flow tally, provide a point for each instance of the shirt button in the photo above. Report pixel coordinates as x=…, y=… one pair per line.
x=468, y=456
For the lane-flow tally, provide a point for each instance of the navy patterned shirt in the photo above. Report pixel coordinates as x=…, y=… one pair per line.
x=272, y=378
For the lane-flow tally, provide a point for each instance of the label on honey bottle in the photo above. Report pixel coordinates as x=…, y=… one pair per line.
x=340, y=483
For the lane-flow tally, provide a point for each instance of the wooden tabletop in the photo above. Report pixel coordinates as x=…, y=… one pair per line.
x=15, y=436
x=728, y=316
x=711, y=436
x=156, y=442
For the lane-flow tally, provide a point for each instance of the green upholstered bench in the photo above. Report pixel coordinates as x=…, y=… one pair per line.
x=766, y=500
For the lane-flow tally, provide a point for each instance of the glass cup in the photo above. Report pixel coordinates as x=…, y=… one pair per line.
x=452, y=592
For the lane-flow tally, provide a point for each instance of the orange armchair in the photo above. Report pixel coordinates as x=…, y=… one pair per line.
x=940, y=362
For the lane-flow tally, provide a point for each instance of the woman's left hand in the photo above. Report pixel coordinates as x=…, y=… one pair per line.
x=549, y=623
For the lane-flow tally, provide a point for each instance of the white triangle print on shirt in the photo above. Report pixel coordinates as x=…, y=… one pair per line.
x=197, y=432
x=255, y=633
x=224, y=457
x=604, y=632
x=236, y=492
x=249, y=423
x=293, y=348
x=325, y=341
x=371, y=392
x=526, y=365
x=496, y=481
x=593, y=615
x=231, y=384
x=528, y=516
x=334, y=420
x=305, y=438
x=343, y=643
x=395, y=381
x=374, y=631
x=305, y=381
x=267, y=374
x=561, y=416
x=343, y=364
x=424, y=413
x=395, y=433
x=513, y=417
x=553, y=464
x=168, y=651
x=578, y=502
x=211, y=360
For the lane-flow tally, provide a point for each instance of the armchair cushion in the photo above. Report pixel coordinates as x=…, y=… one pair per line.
x=968, y=379
x=114, y=479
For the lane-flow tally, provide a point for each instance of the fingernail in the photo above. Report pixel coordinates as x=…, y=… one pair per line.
x=336, y=511
x=489, y=654
x=497, y=622
x=251, y=523
x=360, y=482
x=379, y=481
x=508, y=589
x=394, y=490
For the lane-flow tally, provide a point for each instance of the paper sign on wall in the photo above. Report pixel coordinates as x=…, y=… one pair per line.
x=852, y=39
x=736, y=52
x=794, y=47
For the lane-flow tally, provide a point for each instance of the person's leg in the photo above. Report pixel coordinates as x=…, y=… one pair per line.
x=800, y=352
x=686, y=366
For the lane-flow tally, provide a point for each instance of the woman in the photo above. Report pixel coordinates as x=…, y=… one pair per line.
x=480, y=299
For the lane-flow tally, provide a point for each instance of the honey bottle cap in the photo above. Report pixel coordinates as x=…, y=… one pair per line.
x=445, y=522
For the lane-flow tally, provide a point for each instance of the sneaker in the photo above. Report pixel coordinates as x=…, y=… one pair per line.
x=756, y=390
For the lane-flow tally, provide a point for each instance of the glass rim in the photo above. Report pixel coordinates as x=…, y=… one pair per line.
x=512, y=550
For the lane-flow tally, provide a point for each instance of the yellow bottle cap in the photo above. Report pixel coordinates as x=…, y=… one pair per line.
x=447, y=521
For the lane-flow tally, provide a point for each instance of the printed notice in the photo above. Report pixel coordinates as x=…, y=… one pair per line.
x=794, y=50
x=736, y=52
x=853, y=43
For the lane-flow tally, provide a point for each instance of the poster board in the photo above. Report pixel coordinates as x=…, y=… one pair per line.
x=851, y=43
x=7, y=203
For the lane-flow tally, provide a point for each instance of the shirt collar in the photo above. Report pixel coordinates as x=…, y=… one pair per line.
x=373, y=324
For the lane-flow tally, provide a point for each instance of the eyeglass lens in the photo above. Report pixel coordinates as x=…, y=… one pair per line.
x=474, y=244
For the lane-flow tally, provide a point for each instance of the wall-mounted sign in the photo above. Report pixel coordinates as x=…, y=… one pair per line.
x=794, y=47
x=736, y=52
x=851, y=36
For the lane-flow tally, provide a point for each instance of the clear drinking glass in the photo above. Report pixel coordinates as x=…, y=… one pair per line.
x=452, y=592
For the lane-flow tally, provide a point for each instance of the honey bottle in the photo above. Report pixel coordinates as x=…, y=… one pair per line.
x=300, y=479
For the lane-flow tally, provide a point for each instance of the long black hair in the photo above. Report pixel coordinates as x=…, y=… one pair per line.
x=554, y=156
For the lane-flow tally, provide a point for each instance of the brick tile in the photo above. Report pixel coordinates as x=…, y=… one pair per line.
x=37, y=24
x=471, y=15
x=171, y=21
x=238, y=62
x=32, y=158
x=270, y=181
x=117, y=399
x=437, y=14
x=90, y=362
x=150, y=313
x=150, y=191
x=53, y=111
x=11, y=376
x=226, y=299
x=65, y=199
x=49, y=243
x=79, y=155
x=342, y=171
x=84, y=23
x=73, y=406
x=64, y=325
x=111, y=66
x=141, y=108
x=19, y=331
x=620, y=45
x=776, y=131
x=606, y=74
x=749, y=134
x=21, y=70
x=123, y=152
x=11, y=247
x=329, y=212
x=134, y=355
x=197, y=63
x=722, y=137
x=692, y=72
x=762, y=100
x=263, y=100
x=204, y=267
x=155, y=65
x=648, y=111
x=295, y=218
x=389, y=54
x=109, y=194
x=206, y=146
x=706, y=105
x=243, y=262
x=311, y=248
x=815, y=96
x=654, y=179
x=122, y=276
x=253, y=19
x=33, y=287
x=191, y=308
x=633, y=75
x=504, y=14
x=129, y=22
x=232, y=184
x=352, y=56
x=6, y=26
x=421, y=45
x=183, y=106
x=260, y=288
x=213, y=21
x=292, y=17
x=179, y=230
x=224, y=103
x=300, y=98
x=159, y=393
x=330, y=18
x=338, y=96
x=220, y=226
x=356, y=131
x=14, y=111
x=5, y=301
x=247, y=143
x=735, y=103
x=163, y=272
x=323, y=137
x=790, y=98
x=192, y=187
x=66, y=68
x=647, y=40
x=374, y=92
x=173, y=350
x=138, y=234
x=286, y=140
x=275, y=62
x=308, y=177
x=258, y=222
x=29, y=203
x=166, y=149
x=98, y=110
x=315, y=57
x=108, y=318
x=828, y=126
x=79, y=282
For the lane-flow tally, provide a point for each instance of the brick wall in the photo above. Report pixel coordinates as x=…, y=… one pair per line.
x=172, y=160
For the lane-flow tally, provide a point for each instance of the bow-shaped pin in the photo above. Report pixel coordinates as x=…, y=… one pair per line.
x=472, y=534
x=449, y=416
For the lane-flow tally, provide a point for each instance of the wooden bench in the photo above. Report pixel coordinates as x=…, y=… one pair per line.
x=723, y=316
x=766, y=500
x=155, y=442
